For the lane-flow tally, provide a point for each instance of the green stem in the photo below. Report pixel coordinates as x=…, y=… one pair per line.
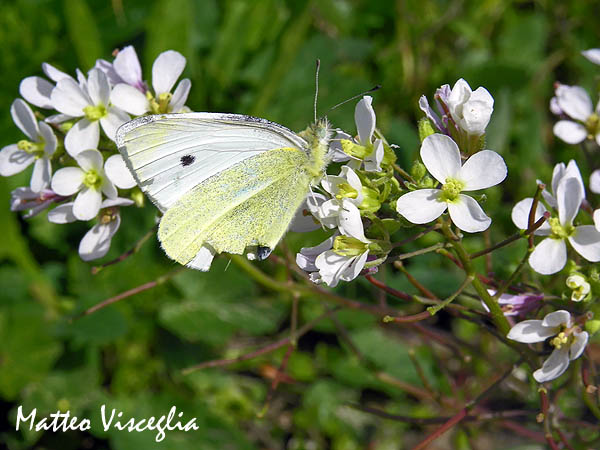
x=435, y=309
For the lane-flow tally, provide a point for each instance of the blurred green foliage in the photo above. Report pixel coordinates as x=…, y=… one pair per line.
x=258, y=57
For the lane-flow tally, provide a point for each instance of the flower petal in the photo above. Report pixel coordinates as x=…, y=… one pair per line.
x=304, y=220
x=586, y=242
x=441, y=156
x=13, y=160
x=98, y=87
x=308, y=255
x=90, y=160
x=575, y=102
x=578, y=345
x=87, y=204
x=557, y=318
x=116, y=170
x=549, y=256
x=568, y=196
x=569, y=131
x=421, y=206
x=24, y=119
x=595, y=181
x=109, y=189
x=127, y=66
x=597, y=219
x=50, y=141
x=112, y=121
x=593, y=55
x=166, y=69
x=467, y=215
x=68, y=98
x=109, y=70
x=62, y=214
x=520, y=216
x=430, y=113
x=42, y=173
x=67, y=181
x=53, y=73
x=350, y=223
x=483, y=170
x=96, y=242
x=373, y=161
x=118, y=201
x=364, y=117
x=129, y=99
x=37, y=91
x=203, y=259
x=554, y=366
x=180, y=96
x=84, y=135
x=355, y=267
x=332, y=266
x=530, y=331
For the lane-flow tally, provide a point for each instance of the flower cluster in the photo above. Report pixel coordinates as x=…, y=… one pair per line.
x=76, y=166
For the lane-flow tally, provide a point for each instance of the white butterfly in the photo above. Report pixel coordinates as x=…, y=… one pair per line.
x=225, y=182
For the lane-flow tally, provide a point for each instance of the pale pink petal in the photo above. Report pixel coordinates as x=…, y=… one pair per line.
x=483, y=170
x=549, y=256
x=467, y=215
x=96, y=242
x=84, y=135
x=127, y=65
x=586, y=242
x=166, y=69
x=364, y=117
x=25, y=119
x=67, y=181
x=62, y=214
x=13, y=160
x=569, y=131
x=42, y=173
x=421, y=206
x=554, y=366
x=37, y=91
x=87, y=204
x=129, y=99
x=68, y=98
x=530, y=331
x=441, y=157
x=180, y=95
x=116, y=170
x=569, y=196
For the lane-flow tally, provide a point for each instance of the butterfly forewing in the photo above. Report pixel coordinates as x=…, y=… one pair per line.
x=170, y=154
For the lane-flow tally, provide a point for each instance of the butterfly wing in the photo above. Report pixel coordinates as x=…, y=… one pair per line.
x=225, y=182
x=169, y=154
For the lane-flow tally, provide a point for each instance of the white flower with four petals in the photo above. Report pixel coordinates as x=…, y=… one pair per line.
x=575, y=103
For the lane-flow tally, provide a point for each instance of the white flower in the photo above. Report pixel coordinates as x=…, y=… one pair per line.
x=550, y=255
x=90, y=101
x=575, y=103
x=595, y=182
x=37, y=90
x=596, y=217
x=442, y=159
x=37, y=150
x=470, y=110
x=25, y=198
x=337, y=258
x=304, y=220
x=580, y=287
x=125, y=68
x=96, y=242
x=568, y=344
x=593, y=55
x=90, y=180
x=165, y=71
x=559, y=173
x=365, y=148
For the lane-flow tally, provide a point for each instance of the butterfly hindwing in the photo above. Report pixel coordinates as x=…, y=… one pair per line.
x=248, y=204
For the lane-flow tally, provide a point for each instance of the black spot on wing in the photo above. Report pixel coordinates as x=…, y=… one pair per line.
x=263, y=253
x=187, y=160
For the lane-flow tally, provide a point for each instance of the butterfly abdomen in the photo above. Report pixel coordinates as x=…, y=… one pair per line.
x=318, y=136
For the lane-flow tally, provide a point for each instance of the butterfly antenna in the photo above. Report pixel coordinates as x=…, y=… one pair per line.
x=373, y=89
x=316, y=87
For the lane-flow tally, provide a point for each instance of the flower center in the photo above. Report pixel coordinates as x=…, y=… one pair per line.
x=95, y=112
x=344, y=190
x=592, y=125
x=349, y=246
x=108, y=215
x=450, y=190
x=160, y=105
x=33, y=148
x=565, y=337
x=355, y=150
x=92, y=179
x=559, y=231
